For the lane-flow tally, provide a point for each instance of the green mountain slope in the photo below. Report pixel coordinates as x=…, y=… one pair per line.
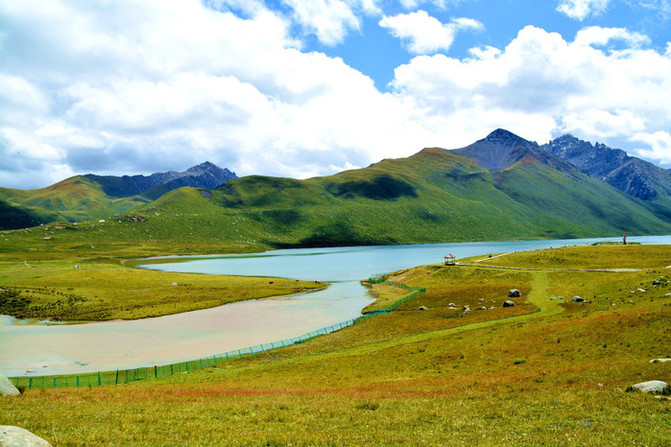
x=74, y=199
x=432, y=196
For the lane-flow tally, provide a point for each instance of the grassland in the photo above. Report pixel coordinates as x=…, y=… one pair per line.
x=84, y=282
x=103, y=290
x=545, y=372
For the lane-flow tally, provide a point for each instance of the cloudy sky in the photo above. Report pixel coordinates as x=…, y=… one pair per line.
x=310, y=87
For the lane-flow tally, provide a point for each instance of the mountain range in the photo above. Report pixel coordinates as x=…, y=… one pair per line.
x=87, y=197
x=501, y=187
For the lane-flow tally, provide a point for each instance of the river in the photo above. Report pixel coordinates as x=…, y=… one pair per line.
x=69, y=349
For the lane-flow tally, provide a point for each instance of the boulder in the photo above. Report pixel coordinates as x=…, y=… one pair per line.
x=452, y=306
x=656, y=282
x=660, y=360
x=514, y=293
x=423, y=308
x=11, y=436
x=508, y=303
x=7, y=388
x=467, y=310
x=653, y=386
x=577, y=299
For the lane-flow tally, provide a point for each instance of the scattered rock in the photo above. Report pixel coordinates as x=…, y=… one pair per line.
x=423, y=308
x=467, y=310
x=560, y=297
x=174, y=284
x=11, y=436
x=660, y=360
x=577, y=299
x=514, y=293
x=641, y=290
x=452, y=306
x=668, y=294
x=7, y=388
x=508, y=303
x=656, y=282
x=481, y=308
x=653, y=386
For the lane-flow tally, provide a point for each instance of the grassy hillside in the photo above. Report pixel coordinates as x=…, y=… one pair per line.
x=433, y=196
x=545, y=372
x=74, y=199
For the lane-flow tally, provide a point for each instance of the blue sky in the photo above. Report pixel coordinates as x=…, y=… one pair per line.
x=312, y=87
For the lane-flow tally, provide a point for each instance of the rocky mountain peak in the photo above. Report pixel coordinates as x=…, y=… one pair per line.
x=205, y=175
x=502, y=149
x=506, y=139
x=629, y=174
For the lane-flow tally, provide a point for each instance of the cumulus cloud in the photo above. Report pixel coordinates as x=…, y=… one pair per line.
x=148, y=86
x=331, y=20
x=659, y=145
x=424, y=34
x=597, y=35
x=138, y=87
x=544, y=85
x=580, y=9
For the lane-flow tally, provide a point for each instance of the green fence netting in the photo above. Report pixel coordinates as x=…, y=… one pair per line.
x=131, y=375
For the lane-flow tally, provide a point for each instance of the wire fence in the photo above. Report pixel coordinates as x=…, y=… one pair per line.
x=146, y=372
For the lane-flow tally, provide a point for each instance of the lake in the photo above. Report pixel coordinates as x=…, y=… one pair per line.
x=70, y=349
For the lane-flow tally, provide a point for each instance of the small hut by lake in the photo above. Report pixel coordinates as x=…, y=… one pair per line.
x=450, y=259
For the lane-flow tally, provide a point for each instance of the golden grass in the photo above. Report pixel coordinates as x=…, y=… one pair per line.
x=91, y=291
x=553, y=375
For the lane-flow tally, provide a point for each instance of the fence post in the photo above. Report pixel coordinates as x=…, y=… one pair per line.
x=116, y=378
x=155, y=372
x=100, y=379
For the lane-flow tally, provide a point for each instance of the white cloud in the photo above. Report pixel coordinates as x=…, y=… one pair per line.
x=331, y=20
x=425, y=34
x=596, y=35
x=543, y=86
x=659, y=146
x=580, y=9
x=138, y=87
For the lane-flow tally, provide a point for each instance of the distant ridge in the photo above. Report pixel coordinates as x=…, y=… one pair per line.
x=632, y=175
x=90, y=196
x=205, y=175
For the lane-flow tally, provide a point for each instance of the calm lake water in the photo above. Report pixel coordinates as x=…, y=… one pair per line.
x=61, y=349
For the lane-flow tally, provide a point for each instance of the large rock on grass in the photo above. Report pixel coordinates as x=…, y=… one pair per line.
x=653, y=386
x=7, y=388
x=508, y=303
x=18, y=437
x=514, y=293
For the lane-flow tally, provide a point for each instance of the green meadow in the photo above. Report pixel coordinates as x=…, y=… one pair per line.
x=548, y=371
